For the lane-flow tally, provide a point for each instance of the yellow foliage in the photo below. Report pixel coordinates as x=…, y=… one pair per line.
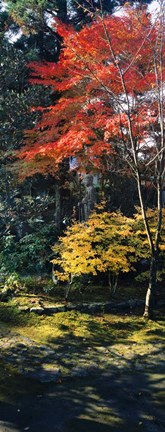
x=101, y=244
x=106, y=242
x=139, y=239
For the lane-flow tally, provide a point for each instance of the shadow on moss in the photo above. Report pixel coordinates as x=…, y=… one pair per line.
x=12, y=316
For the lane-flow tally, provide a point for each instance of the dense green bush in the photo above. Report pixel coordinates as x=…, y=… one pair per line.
x=30, y=254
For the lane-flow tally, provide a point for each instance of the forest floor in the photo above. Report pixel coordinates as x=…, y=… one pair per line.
x=72, y=371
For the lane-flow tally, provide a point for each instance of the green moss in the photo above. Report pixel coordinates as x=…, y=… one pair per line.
x=11, y=315
x=105, y=329
x=77, y=331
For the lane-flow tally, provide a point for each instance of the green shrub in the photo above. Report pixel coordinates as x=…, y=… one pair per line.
x=30, y=254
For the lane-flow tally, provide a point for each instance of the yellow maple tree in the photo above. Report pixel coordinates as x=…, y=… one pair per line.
x=102, y=244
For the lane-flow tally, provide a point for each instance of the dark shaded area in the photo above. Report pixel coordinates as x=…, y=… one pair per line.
x=117, y=401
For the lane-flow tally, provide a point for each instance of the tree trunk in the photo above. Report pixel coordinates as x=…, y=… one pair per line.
x=57, y=215
x=113, y=281
x=150, y=300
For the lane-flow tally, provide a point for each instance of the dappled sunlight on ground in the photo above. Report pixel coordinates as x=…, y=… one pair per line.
x=72, y=371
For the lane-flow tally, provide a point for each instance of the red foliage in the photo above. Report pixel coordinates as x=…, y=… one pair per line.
x=96, y=66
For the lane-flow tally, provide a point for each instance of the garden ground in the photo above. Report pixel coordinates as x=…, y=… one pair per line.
x=73, y=371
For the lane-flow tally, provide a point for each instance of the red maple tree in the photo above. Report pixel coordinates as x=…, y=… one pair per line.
x=97, y=67
x=110, y=82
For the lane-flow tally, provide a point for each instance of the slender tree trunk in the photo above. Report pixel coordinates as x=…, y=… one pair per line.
x=159, y=165
x=150, y=300
x=58, y=207
x=151, y=291
x=113, y=281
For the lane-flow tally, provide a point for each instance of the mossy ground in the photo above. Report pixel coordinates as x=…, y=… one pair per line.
x=81, y=330
x=87, y=403
x=100, y=329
